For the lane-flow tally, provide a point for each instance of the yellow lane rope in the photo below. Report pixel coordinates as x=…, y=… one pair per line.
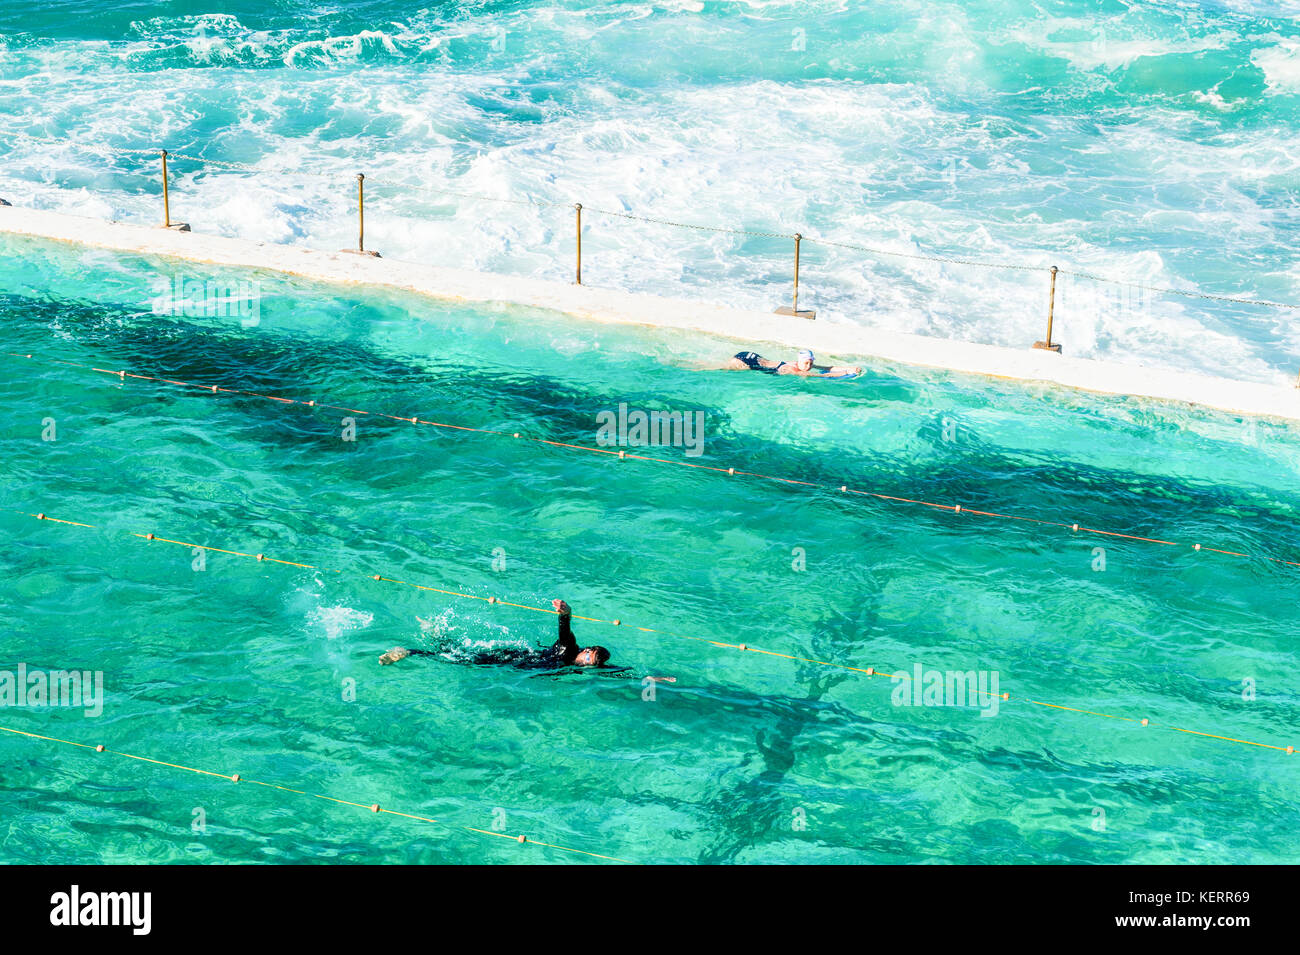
x=1074, y=528
x=617, y=622
x=373, y=807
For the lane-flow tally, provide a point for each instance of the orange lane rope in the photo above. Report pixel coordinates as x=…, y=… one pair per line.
x=617, y=622
x=1075, y=528
x=373, y=807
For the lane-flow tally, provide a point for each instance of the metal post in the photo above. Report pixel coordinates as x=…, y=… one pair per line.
x=794, y=309
x=167, y=203
x=361, y=212
x=167, y=206
x=1049, y=345
x=1051, y=306
x=577, y=206
x=361, y=220
x=797, y=239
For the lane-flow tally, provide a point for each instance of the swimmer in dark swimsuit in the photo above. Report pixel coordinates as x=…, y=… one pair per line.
x=802, y=366
x=755, y=362
x=563, y=652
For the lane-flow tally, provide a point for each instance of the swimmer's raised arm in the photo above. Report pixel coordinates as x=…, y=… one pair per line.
x=565, y=647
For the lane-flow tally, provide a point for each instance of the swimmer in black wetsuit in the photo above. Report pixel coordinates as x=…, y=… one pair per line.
x=802, y=366
x=563, y=652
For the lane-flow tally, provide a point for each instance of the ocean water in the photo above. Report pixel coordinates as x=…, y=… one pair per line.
x=271, y=671
x=1152, y=142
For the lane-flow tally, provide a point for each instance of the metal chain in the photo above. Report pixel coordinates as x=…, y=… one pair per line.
x=688, y=225
x=240, y=167
x=94, y=147
x=546, y=203
x=1174, y=291
x=928, y=258
x=517, y=202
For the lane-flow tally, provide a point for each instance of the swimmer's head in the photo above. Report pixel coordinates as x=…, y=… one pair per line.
x=591, y=657
x=805, y=360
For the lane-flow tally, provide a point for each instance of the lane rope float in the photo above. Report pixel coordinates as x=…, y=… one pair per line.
x=373, y=807
x=622, y=455
x=619, y=622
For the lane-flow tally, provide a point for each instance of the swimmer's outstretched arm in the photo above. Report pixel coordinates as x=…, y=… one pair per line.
x=835, y=371
x=401, y=653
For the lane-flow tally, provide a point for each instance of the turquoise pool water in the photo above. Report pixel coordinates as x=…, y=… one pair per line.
x=242, y=667
x=1153, y=142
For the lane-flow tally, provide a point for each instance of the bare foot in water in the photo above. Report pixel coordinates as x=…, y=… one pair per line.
x=393, y=655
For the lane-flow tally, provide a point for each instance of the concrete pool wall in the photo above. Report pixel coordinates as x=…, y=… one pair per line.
x=833, y=342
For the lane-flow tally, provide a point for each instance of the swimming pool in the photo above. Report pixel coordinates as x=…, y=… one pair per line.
x=1151, y=143
x=243, y=666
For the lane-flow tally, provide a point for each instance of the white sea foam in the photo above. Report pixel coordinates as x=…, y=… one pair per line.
x=1281, y=65
x=339, y=47
x=443, y=630
x=1108, y=43
x=939, y=163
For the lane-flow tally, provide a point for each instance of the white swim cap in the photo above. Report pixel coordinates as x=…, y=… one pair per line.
x=805, y=353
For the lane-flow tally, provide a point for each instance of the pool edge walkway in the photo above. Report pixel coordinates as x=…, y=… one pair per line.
x=839, y=341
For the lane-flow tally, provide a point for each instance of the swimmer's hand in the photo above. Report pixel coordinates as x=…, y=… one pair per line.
x=561, y=607
x=663, y=679
x=393, y=655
